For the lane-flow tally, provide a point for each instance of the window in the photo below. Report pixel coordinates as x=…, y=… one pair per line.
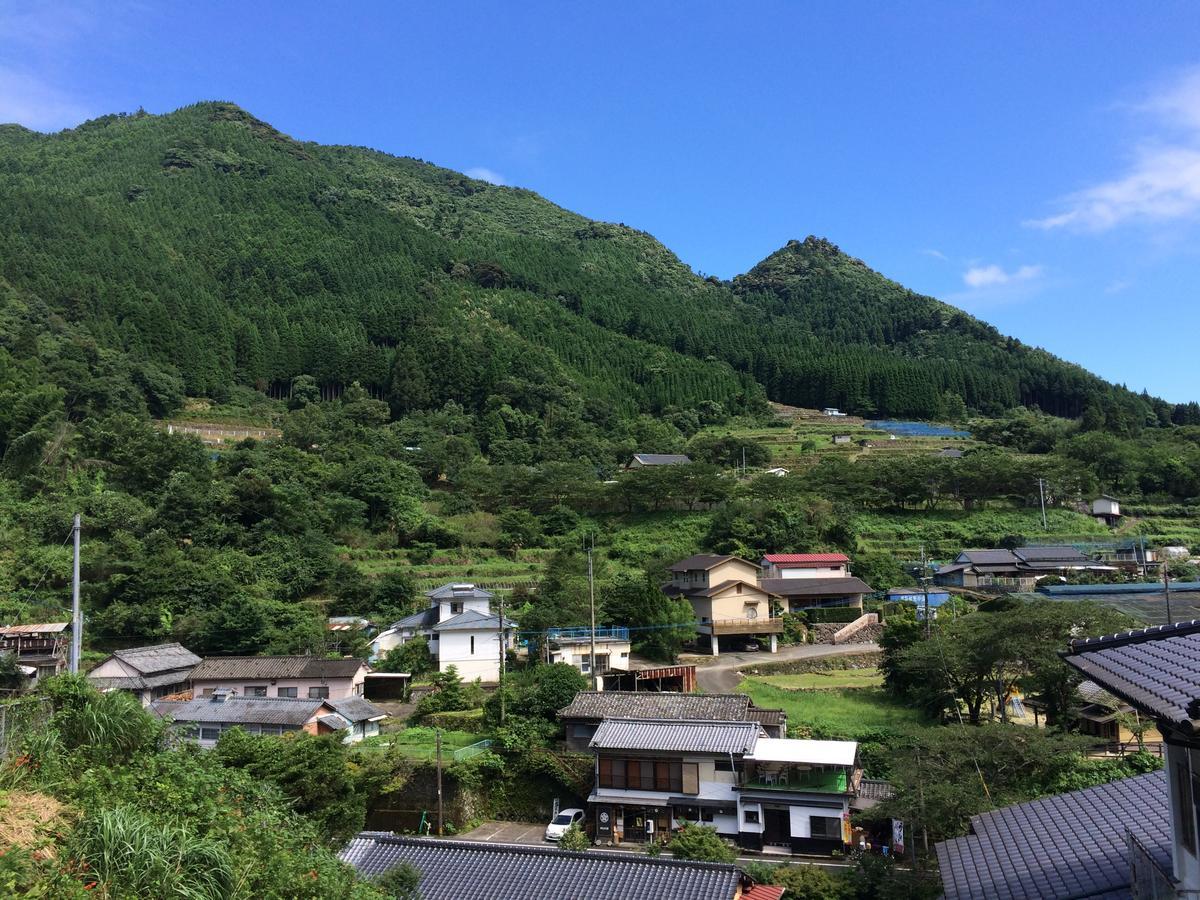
x=738, y=589
x=691, y=779
x=456, y=607
x=285, y=692
x=724, y=765
x=207, y=692
x=210, y=733
x=706, y=814
x=318, y=693
x=472, y=645
x=825, y=827
x=255, y=690
x=750, y=816
x=582, y=731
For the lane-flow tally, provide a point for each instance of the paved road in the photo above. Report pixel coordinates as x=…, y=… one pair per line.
x=722, y=677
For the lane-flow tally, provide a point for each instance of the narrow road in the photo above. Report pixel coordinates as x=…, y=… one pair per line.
x=721, y=676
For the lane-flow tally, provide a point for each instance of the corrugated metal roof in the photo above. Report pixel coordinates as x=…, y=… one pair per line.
x=676, y=736
x=42, y=628
x=806, y=559
x=795, y=750
x=662, y=459
x=1069, y=845
x=243, y=710
x=650, y=705
x=274, y=667
x=471, y=870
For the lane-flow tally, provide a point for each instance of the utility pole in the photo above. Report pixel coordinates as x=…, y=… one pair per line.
x=925, y=589
x=592, y=602
x=438, y=733
x=1042, y=498
x=76, y=614
x=1167, y=589
x=503, y=654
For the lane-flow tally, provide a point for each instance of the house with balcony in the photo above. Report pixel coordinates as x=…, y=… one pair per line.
x=149, y=673
x=802, y=581
x=652, y=775
x=727, y=599
x=40, y=648
x=573, y=646
x=1136, y=837
x=460, y=628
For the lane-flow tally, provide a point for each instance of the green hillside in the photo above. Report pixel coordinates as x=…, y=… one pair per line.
x=210, y=250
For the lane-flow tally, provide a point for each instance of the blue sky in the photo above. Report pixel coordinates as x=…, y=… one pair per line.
x=1039, y=167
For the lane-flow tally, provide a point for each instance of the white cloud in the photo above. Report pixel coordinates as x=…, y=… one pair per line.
x=979, y=277
x=29, y=101
x=936, y=254
x=487, y=175
x=1163, y=181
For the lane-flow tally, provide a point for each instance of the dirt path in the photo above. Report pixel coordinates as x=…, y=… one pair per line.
x=722, y=676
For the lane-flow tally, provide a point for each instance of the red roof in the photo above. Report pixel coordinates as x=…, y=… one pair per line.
x=806, y=559
x=764, y=892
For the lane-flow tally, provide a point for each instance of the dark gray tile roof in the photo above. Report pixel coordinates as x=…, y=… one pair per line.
x=139, y=682
x=1070, y=845
x=1044, y=554
x=649, y=705
x=990, y=557
x=472, y=620
x=158, y=658
x=243, y=710
x=767, y=716
x=676, y=736
x=459, y=591
x=426, y=618
x=703, y=561
x=270, y=667
x=469, y=870
x=1156, y=670
x=356, y=709
x=815, y=587
x=662, y=459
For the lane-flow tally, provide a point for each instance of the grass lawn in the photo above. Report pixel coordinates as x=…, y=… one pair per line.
x=834, y=678
x=844, y=714
x=421, y=743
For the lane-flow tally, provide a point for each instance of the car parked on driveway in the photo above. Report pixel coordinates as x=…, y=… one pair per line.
x=564, y=820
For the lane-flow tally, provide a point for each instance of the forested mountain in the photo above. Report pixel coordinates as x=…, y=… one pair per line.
x=147, y=257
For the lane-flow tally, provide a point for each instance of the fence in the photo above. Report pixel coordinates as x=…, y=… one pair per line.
x=603, y=633
x=473, y=750
x=20, y=718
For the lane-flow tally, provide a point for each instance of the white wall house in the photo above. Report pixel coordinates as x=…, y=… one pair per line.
x=805, y=565
x=573, y=646
x=461, y=630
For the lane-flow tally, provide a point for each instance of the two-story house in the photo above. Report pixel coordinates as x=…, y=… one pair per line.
x=149, y=673
x=726, y=597
x=289, y=677
x=461, y=629
x=652, y=775
x=574, y=647
x=806, y=580
x=41, y=648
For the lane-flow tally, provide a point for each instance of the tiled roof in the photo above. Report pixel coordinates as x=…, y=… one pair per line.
x=158, y=658
x=470, y=870
x=701, y=561
x=815, y=587
x=356, y=709
x=472, y=620
x=767, y=716
x=243, y=710
x=1156, y=670
x=1047, y=554
x=690, y=736
x=459, y=591
x=672, y=590
x=139, y=682
x=990, y=557
x=806, y=559
x=662, y=459
x=650, y=705
x=273, y=667
x=1070, y=845
x=764, y=892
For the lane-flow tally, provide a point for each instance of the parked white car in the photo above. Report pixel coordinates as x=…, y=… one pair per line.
x=564, y=820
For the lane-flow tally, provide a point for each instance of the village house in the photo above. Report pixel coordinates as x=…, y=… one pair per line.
x=842, y=439
x=1017, y=570
x=805, y=580
x=652, y=775
x=461, y=630
x=1104, y=717
x=726, y=598
x=1107, y=510
x=573, y=646
x=149, y=673
x=1136, y=837
x=41, y=649
x=648, y=460
x=583, y=715
x=288, y=677
x=203, y=720
x=474, y=870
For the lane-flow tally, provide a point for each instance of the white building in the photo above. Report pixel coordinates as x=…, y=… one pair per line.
x=460, y=628
x=573, y=646
x=1106, y=510
x=805, y=565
